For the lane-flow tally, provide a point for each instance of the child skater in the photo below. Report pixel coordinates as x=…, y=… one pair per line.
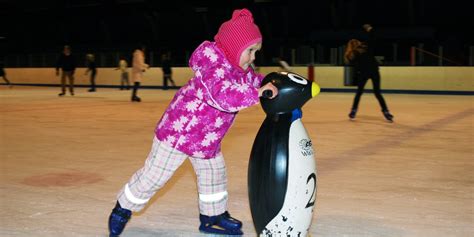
x=195, y=123
x=123, y=67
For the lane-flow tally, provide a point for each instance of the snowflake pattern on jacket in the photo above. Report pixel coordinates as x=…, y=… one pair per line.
x=203, y=110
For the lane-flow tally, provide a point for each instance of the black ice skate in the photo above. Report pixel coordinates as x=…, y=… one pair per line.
x=136, y=99
x=222, y=224
x=387, y=115
x=118, y=219
x=352, y=114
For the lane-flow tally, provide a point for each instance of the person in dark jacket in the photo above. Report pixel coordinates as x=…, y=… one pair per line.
x=3, y=74
x=361, y=56
x=67, y=63
x=92, y=68
x=167, y=72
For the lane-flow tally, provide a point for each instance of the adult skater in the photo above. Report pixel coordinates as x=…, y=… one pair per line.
x=92, y=69
x=138, y=68
x=361, y=56
x=167, y=70
x=3, y=74
x=67, y=63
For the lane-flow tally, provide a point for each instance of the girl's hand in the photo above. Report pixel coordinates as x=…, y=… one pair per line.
x=268, y=86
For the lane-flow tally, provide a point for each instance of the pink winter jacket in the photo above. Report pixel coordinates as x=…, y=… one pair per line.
x=203, y=110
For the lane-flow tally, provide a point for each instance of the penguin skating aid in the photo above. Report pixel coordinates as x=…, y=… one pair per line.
x=282, y=170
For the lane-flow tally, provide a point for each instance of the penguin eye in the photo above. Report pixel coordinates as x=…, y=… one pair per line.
x=297, y=79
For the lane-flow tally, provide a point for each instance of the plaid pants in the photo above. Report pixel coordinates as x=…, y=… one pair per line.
x=161, y=164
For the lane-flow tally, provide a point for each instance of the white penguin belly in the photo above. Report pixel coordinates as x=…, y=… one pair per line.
x=294, y=218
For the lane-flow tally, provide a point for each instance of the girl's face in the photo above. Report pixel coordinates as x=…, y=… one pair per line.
x=248, y=55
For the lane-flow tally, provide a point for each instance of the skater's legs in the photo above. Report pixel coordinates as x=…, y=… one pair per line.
x=212, y=184
x=63, y=82
x=360, y=90
x=124, y=81
x=377, y=91
x=135, y=90
x=127, y=82
x=70, y=76
x=172, y=81
x=160, y=165
x=165, y=81
x=6, y=80
x=92, y=79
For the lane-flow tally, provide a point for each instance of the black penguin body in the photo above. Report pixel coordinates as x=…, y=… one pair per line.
x=282, y=170
x=268, y=169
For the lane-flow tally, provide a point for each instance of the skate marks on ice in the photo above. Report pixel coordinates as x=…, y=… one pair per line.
x=141, y=232
x=346, y=225
x=408, y=132
x=62, y=179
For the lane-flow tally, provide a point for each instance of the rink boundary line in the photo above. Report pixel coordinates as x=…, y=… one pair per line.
x=341, y=90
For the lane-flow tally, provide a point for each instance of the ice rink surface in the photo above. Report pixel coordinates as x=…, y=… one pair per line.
x=63, y=160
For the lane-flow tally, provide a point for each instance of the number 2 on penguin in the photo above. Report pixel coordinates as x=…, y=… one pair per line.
x=310, y=203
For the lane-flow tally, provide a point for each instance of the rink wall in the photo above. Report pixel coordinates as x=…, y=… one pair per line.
x=432, y=80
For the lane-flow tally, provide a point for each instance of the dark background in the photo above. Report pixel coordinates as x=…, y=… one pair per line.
x=178, y=27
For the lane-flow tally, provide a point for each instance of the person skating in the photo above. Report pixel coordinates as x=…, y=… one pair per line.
x=194, y=124
x=67, y=63
x=361, y=56
x=138, y=68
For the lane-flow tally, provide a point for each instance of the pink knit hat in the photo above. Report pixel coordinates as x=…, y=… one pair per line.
x=236, y=34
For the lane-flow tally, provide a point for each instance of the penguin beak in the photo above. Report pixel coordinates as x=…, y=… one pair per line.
x=315, y=89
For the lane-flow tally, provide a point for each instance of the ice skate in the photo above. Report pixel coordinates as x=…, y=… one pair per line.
x=222, y=224
x=388, y=116
x=118, y=219
x=136, y=99
x=352, y=114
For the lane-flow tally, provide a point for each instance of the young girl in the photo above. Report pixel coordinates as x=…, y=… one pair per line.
x=361, y=56
x=196, y=121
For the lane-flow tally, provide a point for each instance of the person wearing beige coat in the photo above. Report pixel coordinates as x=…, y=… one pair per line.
x=138, y=68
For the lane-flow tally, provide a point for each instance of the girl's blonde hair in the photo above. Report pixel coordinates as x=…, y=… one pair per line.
x=352, y=46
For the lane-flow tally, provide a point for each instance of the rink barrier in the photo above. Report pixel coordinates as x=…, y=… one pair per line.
x=406, y=80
